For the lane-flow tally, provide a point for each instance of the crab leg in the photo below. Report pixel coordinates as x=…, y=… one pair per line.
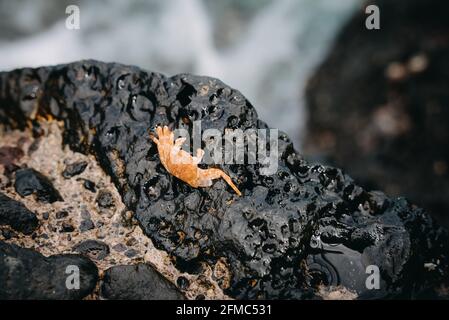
x=210, y=174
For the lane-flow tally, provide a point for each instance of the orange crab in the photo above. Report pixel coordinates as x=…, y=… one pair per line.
x=182, y=165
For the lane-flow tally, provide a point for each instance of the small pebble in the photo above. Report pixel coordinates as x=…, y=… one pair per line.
x=94, y=249
x=105, y=199
x=61, y=214
x=67, y=227
x=131, y=253
x=89, y=185
x=86, y=225
x=74, y=169
x=120, y=247
x=85, y=214
x=183, y=283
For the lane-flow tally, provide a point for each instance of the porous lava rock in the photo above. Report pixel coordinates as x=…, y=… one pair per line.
x=290, y=234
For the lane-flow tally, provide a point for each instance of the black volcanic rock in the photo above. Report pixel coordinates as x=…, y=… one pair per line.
x=288, y=234
x=74, y=169
x=29, y=181
x=89, y=185
x=137, y=282
x=378, y=105
x=26, y=274
x=16, y=215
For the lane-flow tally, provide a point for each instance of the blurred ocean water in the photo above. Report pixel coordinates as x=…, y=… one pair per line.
x=264, y=48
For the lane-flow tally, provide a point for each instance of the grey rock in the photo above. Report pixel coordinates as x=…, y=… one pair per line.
x=105, y=199
x=86, y=225
x=131, y=253
x=94, y=249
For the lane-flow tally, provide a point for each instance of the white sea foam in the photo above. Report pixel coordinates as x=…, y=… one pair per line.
x=270, y=61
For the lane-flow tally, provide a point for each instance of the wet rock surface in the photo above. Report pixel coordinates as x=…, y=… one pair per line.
x=16, y=215
x=378, y=103
x=29, y=181
x=289, y=235
x=26, y=274
x=138, y=282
